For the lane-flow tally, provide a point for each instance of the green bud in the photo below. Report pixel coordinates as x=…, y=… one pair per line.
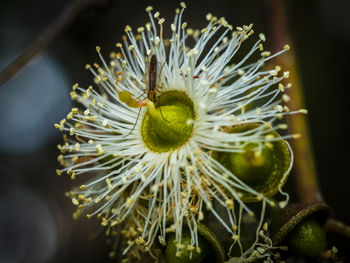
x=188, y=253
x=308, y=238
x=299, y=226
x=265, y=170
x=168, y=125
x=209, y=247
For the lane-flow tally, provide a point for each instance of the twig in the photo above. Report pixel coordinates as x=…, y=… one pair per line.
x=50, y=34
x=305, y=172
x=336, y=226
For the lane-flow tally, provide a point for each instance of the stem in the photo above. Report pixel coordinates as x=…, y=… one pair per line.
x=305, y=172
x=47, y=37
x=336, y=226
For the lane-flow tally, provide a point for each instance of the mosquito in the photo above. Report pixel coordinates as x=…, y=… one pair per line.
x=151, y=91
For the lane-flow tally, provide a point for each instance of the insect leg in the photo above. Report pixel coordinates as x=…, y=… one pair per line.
x=138, y=115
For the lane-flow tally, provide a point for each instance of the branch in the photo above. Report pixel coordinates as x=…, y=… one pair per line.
x=336, y=226
x=48, y=36
x=307, y=186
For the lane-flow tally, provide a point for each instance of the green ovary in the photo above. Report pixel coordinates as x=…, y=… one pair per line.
x=168, y=125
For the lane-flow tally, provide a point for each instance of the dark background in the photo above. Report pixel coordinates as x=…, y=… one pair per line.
x=35, y=217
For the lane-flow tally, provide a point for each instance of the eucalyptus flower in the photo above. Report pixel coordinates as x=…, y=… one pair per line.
x=153, y=133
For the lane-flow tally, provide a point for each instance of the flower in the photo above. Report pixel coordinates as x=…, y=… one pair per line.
x=159, y=162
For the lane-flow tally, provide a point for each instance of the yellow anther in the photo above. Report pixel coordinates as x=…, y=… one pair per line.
x=265, y=53
x=110, y=186
x=261, y=47
x=262, y=37
x=70, y=115
x=75, y=86
x=77, y=146
x=296, y=136
x=209, y=16
x=149, y=8
x=334, y=250
x=180, y=246
x=229, y=203
x=99, y=149
x=104, y=221
x=285, y=98
x=278, y=108
x=127, y=28
x=286, y=74
x=73, y=95
x=281, y=87
x=283, y=126
x=273, y=72
x=189, y=31
x=235, y=237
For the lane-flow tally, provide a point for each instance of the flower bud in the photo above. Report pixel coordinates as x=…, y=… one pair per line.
x=264, y=166
x=209, y=248
x=299, y=227
x=307, y=239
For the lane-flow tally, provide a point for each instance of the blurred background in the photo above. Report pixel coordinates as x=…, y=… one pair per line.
x=36, y=222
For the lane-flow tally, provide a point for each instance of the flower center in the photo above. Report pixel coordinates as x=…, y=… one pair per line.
x=168, y=123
